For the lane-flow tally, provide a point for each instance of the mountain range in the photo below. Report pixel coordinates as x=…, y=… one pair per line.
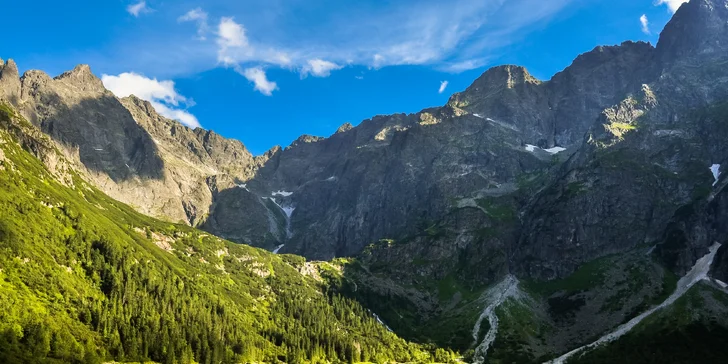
x=576, y=219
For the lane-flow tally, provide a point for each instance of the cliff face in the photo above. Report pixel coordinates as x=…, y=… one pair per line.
x=392, y=174
x=123, y=146
x=595, y=189
x=596, y=160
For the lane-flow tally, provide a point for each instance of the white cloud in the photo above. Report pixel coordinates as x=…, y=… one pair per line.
x=319, y=68
x=398, y=34
x=234, y=47
x=231, y=34
x=199, y=17
x=673, y=5
x=443, y=86
x=161, y=94
x=138, y=8
x=463, y=66
x=645, y=24
x=257, y=76
x=405, y=32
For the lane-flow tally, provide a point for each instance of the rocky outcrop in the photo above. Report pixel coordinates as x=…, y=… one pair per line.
x=393, y=173
x=157, y=165
x=9, y=81
x=581, y=153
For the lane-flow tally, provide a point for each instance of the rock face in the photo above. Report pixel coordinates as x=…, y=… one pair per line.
x=123, y=146
x=393, y=174
x=615, y=168
x=597, y=160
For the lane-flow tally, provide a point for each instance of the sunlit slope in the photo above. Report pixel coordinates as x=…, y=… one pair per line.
x=84, y=278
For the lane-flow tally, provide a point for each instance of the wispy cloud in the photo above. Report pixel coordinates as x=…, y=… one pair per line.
x=673, y=5
x=249, y=34
x=161, y=94
x=137, y=9
x=319, y=68
x=257, y=76
x=645, y=24
x=199, y=17
x=443, y=86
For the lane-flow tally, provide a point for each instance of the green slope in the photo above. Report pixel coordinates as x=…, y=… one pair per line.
x=84, y=278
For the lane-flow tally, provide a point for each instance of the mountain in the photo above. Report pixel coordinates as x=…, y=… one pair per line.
x=576, y=219
x=86, y=279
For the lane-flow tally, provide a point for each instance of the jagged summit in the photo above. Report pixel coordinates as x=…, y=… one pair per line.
x=82, y=77
x=306, y=139
x=9, y=81
x=504, y=76
x=344, y=128
x=698, y=29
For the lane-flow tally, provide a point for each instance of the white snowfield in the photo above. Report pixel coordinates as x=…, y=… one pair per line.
x=715, y=168
x=555, y=150
x=697, y=273
x=493, y=297
x=281, y=193
x=288, y=211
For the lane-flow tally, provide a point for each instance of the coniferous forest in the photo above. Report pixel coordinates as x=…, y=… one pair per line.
x=85, y=279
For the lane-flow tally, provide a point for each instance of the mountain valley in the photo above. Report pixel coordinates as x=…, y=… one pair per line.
x=579, y=219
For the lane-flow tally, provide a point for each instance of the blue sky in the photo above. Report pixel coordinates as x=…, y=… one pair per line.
x=265, y=72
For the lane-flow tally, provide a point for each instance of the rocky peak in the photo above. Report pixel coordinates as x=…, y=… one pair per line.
x=344, y=128
x=306, y=139
x=9, y=81
x=502, y=77
x=611, y=54
x=82, y=77
x=699, y=28
x=8, y=69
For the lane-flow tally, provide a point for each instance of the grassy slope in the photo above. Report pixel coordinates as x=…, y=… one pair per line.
x=82, y=280
x=692, y=330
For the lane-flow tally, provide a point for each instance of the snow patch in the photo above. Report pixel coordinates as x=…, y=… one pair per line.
x=555, y=150
x=243, y=186
x=493, y=297
x=331, y=179
x=715, y=168
x=288, y=210
x=531, y=148
x=696, y=274
x=282, y=193
x=479, y=116
x=278, y=248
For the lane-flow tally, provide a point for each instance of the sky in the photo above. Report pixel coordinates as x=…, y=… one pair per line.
x=266, y=72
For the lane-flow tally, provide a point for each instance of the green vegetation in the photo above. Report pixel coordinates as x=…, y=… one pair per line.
x=589, y=275
x=85, y=279
x=518, y=328
x=682, y=333
x=499, y=210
